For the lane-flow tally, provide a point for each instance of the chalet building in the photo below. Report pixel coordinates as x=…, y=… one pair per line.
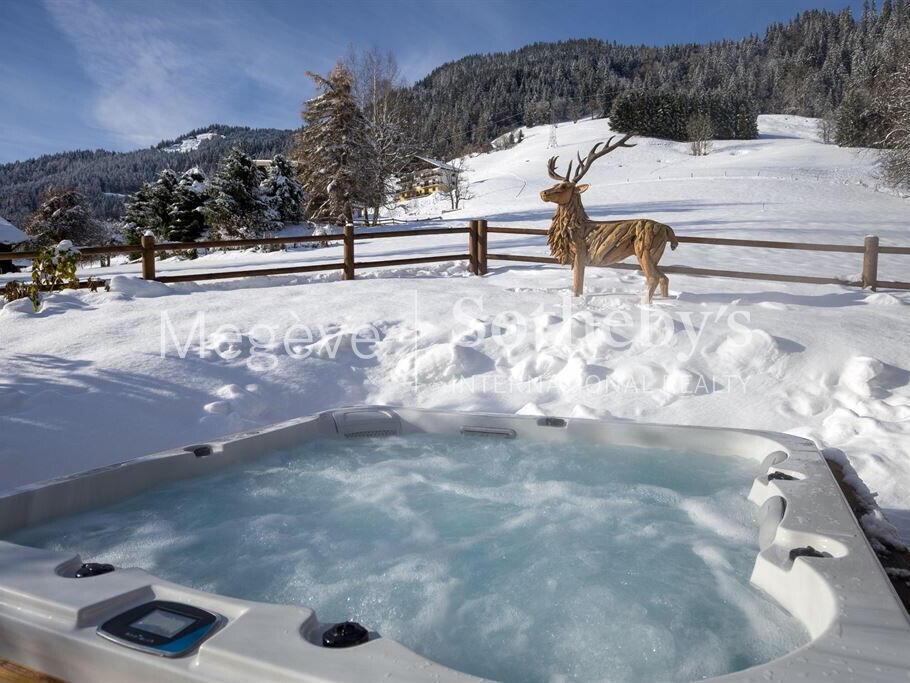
x=10, y=236
x=423, y=177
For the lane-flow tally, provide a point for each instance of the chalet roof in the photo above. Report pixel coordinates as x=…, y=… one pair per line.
x=10, y=234
x=435, y=162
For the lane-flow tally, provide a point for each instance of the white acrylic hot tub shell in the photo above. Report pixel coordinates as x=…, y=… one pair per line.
x=859, y=629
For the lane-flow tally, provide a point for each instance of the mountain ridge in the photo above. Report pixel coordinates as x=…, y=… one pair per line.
x=106, y=177
x=802, y=67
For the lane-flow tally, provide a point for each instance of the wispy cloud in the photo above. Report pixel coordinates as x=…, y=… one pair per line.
x=160, y=69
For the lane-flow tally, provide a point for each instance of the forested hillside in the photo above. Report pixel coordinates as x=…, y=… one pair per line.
x=803, y=67
x=106, y=177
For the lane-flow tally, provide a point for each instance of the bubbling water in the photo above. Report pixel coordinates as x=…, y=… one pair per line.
x=512, y=560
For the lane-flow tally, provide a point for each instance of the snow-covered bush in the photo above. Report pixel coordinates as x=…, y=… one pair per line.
x=53, y=268
x=16, y=289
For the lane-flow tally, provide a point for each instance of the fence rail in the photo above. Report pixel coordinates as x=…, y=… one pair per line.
x=478, y=255
x=870, y=249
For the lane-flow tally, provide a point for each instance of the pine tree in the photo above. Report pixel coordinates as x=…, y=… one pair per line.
x=335, y=156
x=187, y=223
x=234, y=206
x=282, y=191
x=63, y=214
x=666, y=114
x=136, y=214
x=161, y=199
x=149, y=208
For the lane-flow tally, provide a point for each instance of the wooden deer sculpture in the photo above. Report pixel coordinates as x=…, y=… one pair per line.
x=573, y=237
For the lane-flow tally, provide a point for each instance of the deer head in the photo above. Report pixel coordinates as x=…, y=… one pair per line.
x=565, y=189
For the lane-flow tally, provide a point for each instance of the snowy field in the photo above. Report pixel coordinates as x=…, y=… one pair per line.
x=98, y=378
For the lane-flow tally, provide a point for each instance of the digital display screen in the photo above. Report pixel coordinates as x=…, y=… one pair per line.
x=163, y=623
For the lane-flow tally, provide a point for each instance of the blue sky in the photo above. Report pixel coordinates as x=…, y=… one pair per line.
x=124, y=74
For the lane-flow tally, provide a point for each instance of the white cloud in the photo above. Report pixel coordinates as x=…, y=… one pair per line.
x=159, y=75
x=161, y=68
x=140, y=75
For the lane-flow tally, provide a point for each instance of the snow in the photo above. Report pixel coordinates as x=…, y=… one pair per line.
x=190, y=143
x=10, y=234
x=85, y=382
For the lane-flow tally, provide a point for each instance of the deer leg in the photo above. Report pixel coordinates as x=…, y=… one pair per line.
x=579, y=269
x=649, y=269
x=664, y=280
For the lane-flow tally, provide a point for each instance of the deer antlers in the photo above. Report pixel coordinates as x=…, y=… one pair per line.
x=585, y=164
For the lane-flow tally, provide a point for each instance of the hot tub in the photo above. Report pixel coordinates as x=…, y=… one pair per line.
x=537, y=483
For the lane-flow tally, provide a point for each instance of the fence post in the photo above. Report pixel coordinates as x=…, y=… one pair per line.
x=349, y=251
x=148, y=256
x=482, y=246
x=870, y=262
x=472, y=247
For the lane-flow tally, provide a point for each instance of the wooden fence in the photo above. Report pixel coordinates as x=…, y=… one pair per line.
x=870, y=249
x=478, y=255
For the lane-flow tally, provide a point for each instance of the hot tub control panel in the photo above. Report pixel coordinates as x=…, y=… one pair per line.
x=168, y=629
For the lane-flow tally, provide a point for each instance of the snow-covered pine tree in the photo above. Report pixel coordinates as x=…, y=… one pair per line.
x=234, y=206
x=334, y=153
x=63, y=214
x=149, y=208
x=137, y=210
x=187, y=224
x=282, y=191
x=161, y=199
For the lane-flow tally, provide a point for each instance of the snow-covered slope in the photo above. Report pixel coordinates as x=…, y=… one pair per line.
x=190, y=143
x=9, y=233
x=86, y=382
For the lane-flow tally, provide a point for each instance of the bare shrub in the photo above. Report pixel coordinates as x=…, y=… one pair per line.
x=700, y=132
x=460, y=187
x=827, y=127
